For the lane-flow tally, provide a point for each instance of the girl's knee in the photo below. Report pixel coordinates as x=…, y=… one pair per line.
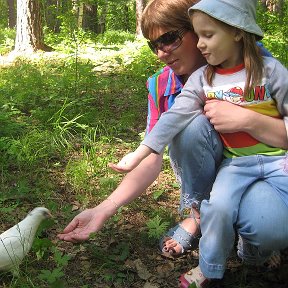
x=217, y=208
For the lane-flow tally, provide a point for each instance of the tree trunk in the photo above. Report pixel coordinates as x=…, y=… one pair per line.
x=90, y=20
x=126, y=17
x=80, y=15
x=11, y=14
x=51, y=9
x=273, y=5
x=139, y=10
x=102, y=19
x=29, y=34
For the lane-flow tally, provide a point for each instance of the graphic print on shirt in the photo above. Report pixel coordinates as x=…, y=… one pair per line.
x=235, y=94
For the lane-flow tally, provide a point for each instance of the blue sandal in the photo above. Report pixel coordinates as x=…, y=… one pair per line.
x=187, y=240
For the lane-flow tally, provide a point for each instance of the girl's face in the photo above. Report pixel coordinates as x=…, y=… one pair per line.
x=219, y=43
x=185, y=59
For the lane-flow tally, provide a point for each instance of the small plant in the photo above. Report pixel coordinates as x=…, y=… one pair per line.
x=78, y=173
x=156, y=227
x=112, y=269
x=51, y=276
x=41, y=247
x=65, y=129
x=54, y=276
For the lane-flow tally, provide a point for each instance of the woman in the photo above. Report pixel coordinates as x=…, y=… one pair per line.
x=195, y=167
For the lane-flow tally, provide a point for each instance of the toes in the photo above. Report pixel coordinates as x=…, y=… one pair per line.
x=171, y=243
x=172, y=247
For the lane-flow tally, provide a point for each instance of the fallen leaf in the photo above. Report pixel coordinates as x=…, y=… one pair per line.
x=165, y=270
x=150, y=285
x=142, y=270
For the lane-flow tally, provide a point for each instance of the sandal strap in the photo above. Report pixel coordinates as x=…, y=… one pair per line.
x=187, y=240
x=183, y=237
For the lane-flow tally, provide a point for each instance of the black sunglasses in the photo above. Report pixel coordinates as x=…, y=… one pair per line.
x=167, y=42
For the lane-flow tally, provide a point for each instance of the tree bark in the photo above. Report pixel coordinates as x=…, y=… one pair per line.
x=80, y=15
x=29, y=34
x=11, y=14
x=273, y=5
x=102, y=19
x=90, y=19
x=139, y=10
x=126, y=18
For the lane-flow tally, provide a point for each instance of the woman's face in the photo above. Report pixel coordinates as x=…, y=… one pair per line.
x=185, y=59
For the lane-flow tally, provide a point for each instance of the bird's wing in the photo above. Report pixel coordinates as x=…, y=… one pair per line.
x=13, y=249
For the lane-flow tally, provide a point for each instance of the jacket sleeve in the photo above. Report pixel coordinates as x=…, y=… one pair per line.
x=278, y=85
x=188, y=105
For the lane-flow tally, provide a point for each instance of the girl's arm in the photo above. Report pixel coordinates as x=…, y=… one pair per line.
x=266, y=129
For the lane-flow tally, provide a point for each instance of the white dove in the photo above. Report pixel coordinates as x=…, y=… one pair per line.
x=16, y=242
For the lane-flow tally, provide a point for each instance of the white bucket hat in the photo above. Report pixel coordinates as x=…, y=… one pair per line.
x=237, y=13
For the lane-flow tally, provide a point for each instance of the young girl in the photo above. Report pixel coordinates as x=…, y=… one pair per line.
x=236, y=73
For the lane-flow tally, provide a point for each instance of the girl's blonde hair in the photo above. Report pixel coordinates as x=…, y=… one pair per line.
x=170, y=14
x=253, y=62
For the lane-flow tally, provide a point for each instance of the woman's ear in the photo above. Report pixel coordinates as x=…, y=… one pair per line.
x=238, y=35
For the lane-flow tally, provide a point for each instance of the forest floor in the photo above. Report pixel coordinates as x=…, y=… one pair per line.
x=122, y=256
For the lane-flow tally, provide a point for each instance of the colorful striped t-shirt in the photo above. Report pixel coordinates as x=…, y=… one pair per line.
x=163, y=87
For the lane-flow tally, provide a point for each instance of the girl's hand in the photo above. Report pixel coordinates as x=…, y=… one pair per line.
x=126, y=164
x=226, y=117
x=131, y=160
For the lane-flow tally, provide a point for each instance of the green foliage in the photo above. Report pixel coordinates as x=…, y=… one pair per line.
x=114, y=260
x=4, y=14
x=33, y=148
x=64, y=129
x=8, y=121
x=41, y=247
x=53, y=277
x=77, y=173
x=121, y=15
x=63, y=118
x=275, y=31
x=156, y=227
x=146, y=57
x=7, y=37
x=157, y=193
x=115, y=37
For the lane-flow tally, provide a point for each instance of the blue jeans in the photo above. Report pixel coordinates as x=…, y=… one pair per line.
x=195, y=154
x=250, y=194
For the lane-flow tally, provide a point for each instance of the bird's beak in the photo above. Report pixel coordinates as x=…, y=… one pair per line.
x=48, y=214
